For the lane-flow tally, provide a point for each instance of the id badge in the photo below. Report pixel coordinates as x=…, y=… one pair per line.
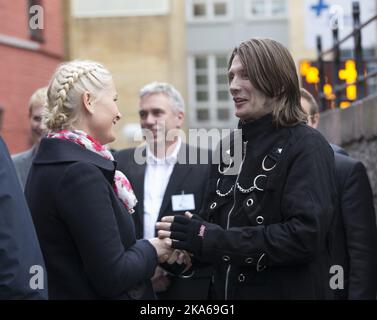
x=183, y=202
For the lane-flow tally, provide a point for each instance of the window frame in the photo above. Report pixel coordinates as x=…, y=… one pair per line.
x=213, y=104
x=210, y=16
x=268, y=16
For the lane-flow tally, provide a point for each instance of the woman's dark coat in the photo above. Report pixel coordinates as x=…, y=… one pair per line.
x=86, y=234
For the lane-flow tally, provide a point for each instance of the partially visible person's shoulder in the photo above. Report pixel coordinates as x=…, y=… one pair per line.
x=347, y=163
x=348, y=169
x=338, y=149
x=127, y=158
x=22, y=156
x=125, y=153
x=307, y=137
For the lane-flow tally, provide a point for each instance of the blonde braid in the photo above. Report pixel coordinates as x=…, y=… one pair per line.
x=60, y=113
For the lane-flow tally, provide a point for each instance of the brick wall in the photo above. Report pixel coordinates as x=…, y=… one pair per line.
x=24, y=69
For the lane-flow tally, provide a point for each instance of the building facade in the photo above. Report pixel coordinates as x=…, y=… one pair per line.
x=138, y=41
x=213, y=29
x=31, y=46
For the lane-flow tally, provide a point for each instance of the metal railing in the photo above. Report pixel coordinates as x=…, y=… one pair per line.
x=362, y=74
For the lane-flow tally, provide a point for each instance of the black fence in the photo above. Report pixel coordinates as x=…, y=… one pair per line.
x=362, y=75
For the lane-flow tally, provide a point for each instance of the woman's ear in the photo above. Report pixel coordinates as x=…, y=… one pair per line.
x=86, y=101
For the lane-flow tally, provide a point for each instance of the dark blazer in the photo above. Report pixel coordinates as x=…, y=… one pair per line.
x=338, y=149
x=187, y=178
x=355, y=242
x=19, y=246
x=22, y=163
x=86, y=234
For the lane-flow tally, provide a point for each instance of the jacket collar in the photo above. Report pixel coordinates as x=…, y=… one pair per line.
x=58, y=151
x=254, y=130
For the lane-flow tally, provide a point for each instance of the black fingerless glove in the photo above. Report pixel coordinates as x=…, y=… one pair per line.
x=188, y=234
x=174, y=269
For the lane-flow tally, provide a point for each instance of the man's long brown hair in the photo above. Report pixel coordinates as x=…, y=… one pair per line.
x=271, y=70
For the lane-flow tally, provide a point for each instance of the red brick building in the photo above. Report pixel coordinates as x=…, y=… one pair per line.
x=28, y=57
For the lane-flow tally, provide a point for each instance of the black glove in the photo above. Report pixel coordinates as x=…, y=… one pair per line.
x=174, y=269
x=188, y=234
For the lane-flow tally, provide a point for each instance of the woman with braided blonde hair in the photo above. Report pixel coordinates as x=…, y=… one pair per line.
x=81, y=205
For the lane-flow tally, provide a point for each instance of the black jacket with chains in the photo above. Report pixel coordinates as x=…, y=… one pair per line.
x=275, y=214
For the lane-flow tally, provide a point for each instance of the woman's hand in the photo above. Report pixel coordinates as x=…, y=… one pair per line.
x=180, y=257
x=163, y=248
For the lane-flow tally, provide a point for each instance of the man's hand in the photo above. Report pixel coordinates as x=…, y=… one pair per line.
x=160, y=280
x=186, y=232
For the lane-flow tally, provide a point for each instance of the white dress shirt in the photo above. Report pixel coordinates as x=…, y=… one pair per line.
x=157, y=176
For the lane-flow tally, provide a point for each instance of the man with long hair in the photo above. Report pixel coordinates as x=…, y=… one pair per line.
x=268, y=215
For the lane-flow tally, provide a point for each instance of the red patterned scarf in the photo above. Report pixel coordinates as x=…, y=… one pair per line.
x=121, y=185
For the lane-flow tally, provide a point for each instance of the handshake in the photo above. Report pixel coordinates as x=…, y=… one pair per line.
x=179, y=237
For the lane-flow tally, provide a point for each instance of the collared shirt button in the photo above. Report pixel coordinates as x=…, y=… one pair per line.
x=259, y=219
x=241, y=277
x=249, y=260
x=226, y=258
x=213, y=205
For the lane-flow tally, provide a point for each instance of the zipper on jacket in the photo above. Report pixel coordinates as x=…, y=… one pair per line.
x=230, y=212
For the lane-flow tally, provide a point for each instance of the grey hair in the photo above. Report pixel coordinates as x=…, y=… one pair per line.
x=167, y=89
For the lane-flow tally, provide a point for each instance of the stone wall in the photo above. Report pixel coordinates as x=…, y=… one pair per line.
x=355, y=129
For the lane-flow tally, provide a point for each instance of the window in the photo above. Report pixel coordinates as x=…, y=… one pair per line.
x=199, y=10
x=36, y=20
x=262, y=9
x=258, y=8
x=209, y=91
x=208, y=10
x=220, y=9
x=119, y=8
x=278, y=7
